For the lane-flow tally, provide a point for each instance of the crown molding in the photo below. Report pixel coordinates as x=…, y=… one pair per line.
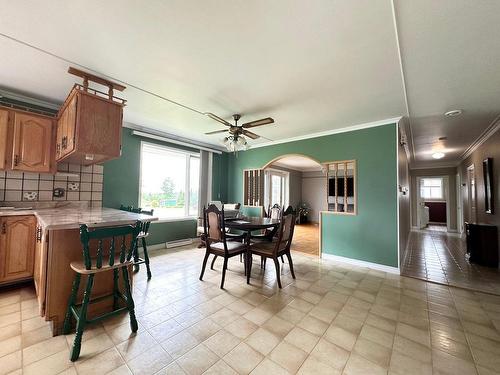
x=346, y=129
x=490, y=130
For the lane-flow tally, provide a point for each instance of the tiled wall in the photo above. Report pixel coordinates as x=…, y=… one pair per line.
x=85, y=185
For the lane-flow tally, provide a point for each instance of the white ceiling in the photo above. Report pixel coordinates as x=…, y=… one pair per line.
x=312, y=66
x=298, y=163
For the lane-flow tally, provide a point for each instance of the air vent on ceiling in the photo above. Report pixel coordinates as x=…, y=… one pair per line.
x=18, y=101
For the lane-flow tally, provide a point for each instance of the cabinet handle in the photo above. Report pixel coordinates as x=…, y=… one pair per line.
x=4, y=228
x=58, y=148
x=38, y=234
x=16, y=160
x=64, y=142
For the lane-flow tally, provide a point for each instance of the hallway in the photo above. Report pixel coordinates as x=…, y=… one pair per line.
x=440, y=257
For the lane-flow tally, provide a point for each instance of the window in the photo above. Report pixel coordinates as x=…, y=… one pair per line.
x=431, y=188
x=342, y=187
x=169, y=181
x=276, y=188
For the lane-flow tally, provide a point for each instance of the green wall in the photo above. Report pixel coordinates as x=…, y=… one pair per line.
x=371, y=235
x=121, y=186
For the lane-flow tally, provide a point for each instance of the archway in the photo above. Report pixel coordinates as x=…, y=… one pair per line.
x=299, y=181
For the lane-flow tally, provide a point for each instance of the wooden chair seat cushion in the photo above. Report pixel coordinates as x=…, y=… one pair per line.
x=79, y=266
x=232, y=247
x=265, y=248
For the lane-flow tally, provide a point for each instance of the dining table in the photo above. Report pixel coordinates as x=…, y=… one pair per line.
x=249, y=224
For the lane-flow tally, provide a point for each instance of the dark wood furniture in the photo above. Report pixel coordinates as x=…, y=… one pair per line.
x=482, y=244
x=216, y=242
x=143, y=234
x=277, y=248
x=114, y=256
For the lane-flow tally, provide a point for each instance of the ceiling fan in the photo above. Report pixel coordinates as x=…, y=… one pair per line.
x=236, y=141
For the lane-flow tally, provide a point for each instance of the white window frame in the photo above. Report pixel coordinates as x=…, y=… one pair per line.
x=285, y=191
x=188, y=155
x=443, y=189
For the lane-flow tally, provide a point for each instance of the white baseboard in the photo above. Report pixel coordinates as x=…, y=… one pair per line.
x=361, y=263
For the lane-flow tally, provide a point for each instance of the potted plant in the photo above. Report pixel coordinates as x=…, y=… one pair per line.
x=302, y=211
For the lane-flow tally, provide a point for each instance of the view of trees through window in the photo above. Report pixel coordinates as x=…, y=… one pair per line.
x=169, y=181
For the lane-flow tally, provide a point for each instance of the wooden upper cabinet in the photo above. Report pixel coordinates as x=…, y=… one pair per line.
x=4, y=131
x=88, y=129
x=17, y=247
x=32, y=143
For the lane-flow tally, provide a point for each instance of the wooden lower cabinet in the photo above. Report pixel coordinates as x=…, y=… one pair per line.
x=17, y=248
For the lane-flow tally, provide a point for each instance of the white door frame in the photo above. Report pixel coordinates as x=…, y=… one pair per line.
x=471, y=194
x=446, y=184
x=460, y=205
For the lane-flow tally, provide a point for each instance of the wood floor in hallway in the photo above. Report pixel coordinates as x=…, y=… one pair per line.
x=306, y=238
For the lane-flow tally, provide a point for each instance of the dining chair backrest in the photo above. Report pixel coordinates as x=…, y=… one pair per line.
x=138, y=210
x=285, y=231
x=275, y=212
x=214, y=224
x=122, y=241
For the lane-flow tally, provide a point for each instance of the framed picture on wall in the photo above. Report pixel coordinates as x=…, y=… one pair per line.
x=488, y=185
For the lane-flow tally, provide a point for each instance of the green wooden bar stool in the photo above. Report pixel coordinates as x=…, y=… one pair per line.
x=144, y=233
x=122, y=241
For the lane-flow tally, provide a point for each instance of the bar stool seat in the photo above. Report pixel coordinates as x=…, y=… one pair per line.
x=79, y=266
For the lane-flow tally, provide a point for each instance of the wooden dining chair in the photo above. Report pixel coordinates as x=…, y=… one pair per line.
x=216, y=242
x=114, y=248
x=277, y=248
x=143, y=234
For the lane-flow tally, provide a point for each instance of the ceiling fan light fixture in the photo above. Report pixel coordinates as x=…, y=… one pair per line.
x=235, y=143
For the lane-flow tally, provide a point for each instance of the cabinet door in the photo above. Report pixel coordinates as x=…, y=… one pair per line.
x=66, y=129
x=17, y=246
x=4, y=127
x=32, y=143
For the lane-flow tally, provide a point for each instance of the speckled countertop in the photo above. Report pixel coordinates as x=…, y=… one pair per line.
x=73, y=217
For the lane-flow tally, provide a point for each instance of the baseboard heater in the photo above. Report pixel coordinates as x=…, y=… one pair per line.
x=177, y=243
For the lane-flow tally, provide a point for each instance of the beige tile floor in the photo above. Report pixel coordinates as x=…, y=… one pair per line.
x=333, y=319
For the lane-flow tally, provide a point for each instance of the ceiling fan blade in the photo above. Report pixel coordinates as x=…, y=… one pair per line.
x=217, y=118
x=263, y=121
x=217, y=132
x=249, y=134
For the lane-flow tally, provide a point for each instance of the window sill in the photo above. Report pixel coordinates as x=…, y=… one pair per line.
x=174, y=219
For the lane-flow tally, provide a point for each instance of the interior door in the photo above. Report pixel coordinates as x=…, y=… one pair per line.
x=421, y=218
x=471, y=194
x=32, y=143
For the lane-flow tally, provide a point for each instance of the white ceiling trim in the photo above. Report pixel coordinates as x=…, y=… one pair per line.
x=366, y=125
x=403, y=81
x=490, y=130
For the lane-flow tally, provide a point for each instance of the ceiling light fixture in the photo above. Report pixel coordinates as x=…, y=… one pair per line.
x=453, y=113
x=235, y=143
x=438, y=155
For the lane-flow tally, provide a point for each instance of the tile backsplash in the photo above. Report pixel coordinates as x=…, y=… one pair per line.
x=85, y=185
